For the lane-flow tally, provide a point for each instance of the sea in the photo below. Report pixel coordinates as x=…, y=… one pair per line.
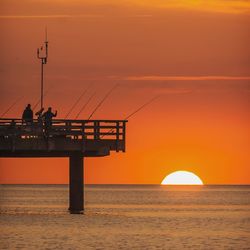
x=126, y=217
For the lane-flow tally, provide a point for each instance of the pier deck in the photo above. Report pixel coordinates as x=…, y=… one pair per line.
x=91, y=138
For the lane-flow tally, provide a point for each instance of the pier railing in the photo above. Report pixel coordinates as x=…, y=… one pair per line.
x=74, y=129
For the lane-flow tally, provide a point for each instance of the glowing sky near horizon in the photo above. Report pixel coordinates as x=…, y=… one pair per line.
x=195, y=54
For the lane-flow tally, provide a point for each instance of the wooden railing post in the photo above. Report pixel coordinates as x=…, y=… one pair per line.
x=124, y=135
x=117, y=130
x=117, y=135
x=84, y=137
x=83, y=130
x=96, y=130
x=67, y=127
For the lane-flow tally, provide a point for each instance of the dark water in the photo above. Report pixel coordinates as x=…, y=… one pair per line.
x=126, y=217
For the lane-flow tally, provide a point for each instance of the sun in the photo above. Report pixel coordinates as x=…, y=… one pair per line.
x=182, y=178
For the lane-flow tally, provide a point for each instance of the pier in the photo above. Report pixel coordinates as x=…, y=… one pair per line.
x=74, y=139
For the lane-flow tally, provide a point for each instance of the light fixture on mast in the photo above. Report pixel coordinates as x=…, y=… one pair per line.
x=43, y=58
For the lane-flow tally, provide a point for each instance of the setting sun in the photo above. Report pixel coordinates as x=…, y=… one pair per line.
x=182, y=178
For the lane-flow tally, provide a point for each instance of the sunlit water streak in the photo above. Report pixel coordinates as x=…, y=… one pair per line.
x=126, y=217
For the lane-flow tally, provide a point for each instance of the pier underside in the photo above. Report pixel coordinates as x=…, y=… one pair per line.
x=57, y=147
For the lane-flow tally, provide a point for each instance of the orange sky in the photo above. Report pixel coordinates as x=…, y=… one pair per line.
x=194, y=53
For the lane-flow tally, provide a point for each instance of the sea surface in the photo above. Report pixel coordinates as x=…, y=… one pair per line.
x=126, y=217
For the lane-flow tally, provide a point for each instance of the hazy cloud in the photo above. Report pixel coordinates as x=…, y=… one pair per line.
x=227, y=6
x=184, y=78
x=102, y=6
x=49, y=16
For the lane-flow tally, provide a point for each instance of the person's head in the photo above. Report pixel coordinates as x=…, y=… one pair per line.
x=49, y=109
x=28, y=106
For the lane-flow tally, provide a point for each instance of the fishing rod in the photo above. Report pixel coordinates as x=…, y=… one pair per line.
x=136, y=111
x=77, y=101
x=11, y=106
x=84, y=106
x=101, y=102
x=141, y=107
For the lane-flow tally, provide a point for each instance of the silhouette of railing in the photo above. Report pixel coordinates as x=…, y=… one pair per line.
x=101, y=133
x=89, y=129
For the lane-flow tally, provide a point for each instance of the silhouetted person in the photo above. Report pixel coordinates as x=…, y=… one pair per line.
x=39, y=115
x=48, y=115
x=27, y=116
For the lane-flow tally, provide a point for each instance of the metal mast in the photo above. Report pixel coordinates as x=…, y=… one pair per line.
x=43, y=59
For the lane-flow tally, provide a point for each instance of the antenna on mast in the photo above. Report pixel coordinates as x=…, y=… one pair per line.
x=43, y=58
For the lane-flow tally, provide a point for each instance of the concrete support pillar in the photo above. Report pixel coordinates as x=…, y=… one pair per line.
x=76, y=182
